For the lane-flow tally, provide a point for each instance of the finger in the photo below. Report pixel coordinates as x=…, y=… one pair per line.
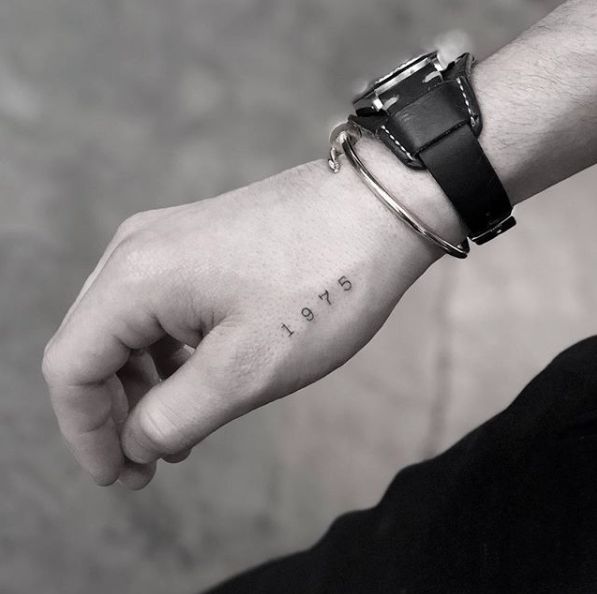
x=80, y=368
x=136, y=476
x=85, y=417
x=217, y=384
x=137, y=376
x=177, y=458
x=169, y=355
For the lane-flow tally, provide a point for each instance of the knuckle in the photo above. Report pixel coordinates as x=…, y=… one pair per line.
x=132, y=257
x=126, y=228
x=58, y=367
x=134, y=223
x=50, y=363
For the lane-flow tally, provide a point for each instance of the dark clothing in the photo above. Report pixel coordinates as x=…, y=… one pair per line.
x=511, y=508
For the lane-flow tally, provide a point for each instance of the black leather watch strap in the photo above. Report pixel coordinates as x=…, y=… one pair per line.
x=461, y=168
x=433, y=123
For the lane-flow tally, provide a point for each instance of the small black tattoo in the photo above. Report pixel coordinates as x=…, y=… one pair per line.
x=290, y=332
x=308, y=314
x=345, y=283
x=326, y=296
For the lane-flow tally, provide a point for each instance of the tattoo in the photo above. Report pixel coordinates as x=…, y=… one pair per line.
x=345, y=283
x=290, y=332
x=307, y=312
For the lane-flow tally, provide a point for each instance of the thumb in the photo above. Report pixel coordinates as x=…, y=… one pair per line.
x=219, y=383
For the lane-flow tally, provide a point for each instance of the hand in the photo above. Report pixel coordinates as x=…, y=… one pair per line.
x=198, y=314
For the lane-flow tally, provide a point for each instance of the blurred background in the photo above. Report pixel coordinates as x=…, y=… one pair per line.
x=108, y=107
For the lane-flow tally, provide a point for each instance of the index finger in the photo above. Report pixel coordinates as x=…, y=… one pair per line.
x=80, y=365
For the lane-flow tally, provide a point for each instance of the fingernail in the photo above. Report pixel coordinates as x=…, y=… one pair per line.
x=135, y=452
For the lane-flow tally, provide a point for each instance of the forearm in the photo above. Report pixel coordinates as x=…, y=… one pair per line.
x=539, y=96
x=539, y=101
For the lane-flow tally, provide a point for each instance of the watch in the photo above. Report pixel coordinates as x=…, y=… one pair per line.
x=429, y=117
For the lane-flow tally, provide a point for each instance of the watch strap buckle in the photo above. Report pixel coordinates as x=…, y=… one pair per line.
x=494, y=231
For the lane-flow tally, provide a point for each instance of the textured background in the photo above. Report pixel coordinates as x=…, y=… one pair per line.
x=108, y=107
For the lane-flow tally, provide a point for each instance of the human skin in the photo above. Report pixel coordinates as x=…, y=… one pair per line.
x=198, y=314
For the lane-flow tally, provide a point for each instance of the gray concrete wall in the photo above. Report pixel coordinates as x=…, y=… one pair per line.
x=108, y=107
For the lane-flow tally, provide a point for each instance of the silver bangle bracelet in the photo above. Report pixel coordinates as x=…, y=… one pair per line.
x=342, y=143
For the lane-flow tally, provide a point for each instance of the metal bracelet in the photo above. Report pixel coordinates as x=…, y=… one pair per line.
x=342, y=143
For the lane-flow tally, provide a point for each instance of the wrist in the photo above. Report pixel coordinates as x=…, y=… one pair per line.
x=538, y=110
x=418, y=192
x=536, y=115
x=397, y=250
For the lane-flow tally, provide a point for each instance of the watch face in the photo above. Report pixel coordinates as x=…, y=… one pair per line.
x=383, y=93
x=404, y=70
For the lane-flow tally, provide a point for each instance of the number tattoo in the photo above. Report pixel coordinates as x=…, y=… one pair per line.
x=345, y=283
x=309, y=315
x=290, y=332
